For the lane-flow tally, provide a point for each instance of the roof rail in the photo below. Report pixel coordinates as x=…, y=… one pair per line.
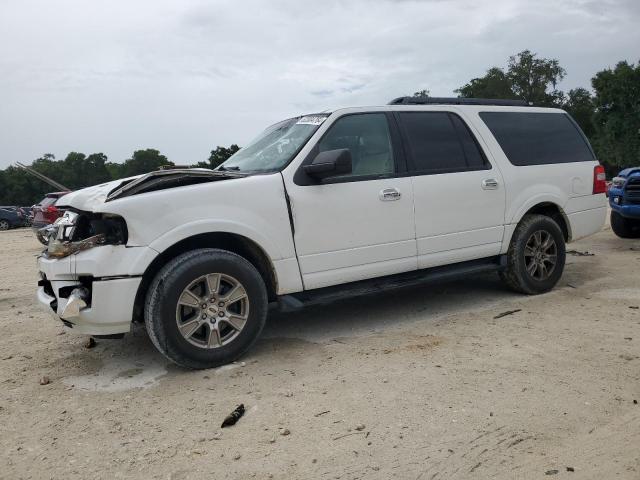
x=457, y=101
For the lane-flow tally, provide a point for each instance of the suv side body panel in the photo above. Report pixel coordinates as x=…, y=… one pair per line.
x=345, y=231
x=457, y=217
x=566, y=185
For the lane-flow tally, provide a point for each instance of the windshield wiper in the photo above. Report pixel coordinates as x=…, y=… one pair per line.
x=222, y=168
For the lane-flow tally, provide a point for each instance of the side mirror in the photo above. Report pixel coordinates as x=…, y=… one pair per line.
x=329, y=163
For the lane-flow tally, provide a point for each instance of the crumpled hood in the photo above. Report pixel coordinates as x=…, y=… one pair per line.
x=90, y=198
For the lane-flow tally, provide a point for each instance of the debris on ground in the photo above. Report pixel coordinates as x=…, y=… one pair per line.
x=284, y=432
x=571, y=469
x=233, y=417
x=635, y=402
x=360, y=427
x=551, y=472
x=45, y=380
x=90, y=343
x=346, y=435
x=634, y=307
x=571, y=285
x=508, y=312
x=321, y=413
x=580, y=254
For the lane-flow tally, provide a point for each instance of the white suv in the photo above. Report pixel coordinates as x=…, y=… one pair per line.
x=322, y=206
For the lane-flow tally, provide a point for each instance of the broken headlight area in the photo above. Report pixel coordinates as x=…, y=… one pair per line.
x=78, y=231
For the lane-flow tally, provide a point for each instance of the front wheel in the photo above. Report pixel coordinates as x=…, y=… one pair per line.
x=205, y=308
x=536, y=256
x=624, y=227
x=4, y=225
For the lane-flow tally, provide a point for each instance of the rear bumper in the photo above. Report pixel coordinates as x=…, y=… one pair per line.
x=587, y=222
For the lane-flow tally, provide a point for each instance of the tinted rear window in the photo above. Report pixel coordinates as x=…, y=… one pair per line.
x=439, y=142
x=538, y=138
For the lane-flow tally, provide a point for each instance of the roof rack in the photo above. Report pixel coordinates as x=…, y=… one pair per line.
x=457, y=101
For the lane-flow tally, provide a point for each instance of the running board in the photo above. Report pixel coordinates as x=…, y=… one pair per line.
x=320, y=296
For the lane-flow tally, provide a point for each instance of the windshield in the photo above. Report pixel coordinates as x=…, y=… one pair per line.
x=276, y=146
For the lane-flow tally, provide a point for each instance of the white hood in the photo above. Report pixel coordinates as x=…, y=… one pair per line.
x=90, y=198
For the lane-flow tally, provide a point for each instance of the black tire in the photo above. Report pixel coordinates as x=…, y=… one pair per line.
x=516, y=275
x=624, y=227
x=4, y=225
x=168, y=286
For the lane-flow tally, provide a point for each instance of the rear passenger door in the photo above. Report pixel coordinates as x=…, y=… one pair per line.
x=459, y=195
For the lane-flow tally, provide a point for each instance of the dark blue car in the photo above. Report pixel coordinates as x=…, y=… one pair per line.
x=624, y=198
x=10, y=218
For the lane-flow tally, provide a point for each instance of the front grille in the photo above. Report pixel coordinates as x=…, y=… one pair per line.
x=632, y=191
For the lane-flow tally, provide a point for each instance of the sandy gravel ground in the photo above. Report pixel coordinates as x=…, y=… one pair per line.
x=419, y=384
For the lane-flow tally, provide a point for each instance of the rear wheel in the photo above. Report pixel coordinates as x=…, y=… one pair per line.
x=4, y=225
x=624, y=227
x=536, y=256
x=205, y=308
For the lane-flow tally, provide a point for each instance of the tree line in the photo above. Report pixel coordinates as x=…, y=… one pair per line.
x=609, y=114
x=77, y=170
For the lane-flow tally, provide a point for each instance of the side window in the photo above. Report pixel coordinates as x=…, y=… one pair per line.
x=472, y=153
x=367, y=137
x=535, y=138
x=440, y=142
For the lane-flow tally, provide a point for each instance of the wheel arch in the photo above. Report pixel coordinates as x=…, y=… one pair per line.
x=554, y=211
x=232, y=242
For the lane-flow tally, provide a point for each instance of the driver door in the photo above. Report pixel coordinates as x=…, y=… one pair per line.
x=358, y=225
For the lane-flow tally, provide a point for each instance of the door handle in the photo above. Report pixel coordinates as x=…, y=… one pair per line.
x=490, y=184
x=390, y=194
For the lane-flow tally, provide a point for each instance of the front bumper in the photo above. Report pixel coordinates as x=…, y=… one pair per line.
x=628, y=210
x=109, y=311
x=623, y=207
x=111, y=274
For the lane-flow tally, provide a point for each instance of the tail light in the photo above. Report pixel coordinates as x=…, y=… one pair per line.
x=599, y=180
x=51, y=209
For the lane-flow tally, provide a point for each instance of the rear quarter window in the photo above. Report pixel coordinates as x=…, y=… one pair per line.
x=528, y=138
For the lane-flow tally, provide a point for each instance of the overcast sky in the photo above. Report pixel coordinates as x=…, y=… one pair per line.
x=184, y=76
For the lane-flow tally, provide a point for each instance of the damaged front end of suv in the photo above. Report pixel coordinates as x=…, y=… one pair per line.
x=78, y=231
x=74, y=232
x=95, y=255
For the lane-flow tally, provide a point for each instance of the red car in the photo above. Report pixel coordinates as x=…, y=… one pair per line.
x=45, y=212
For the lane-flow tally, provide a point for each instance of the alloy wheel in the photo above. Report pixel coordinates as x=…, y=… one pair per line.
x=540, y=255
x=212, y=310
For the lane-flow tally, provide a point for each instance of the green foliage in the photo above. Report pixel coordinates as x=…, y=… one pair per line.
x=143, y=161
x=579, y=104
x=535, y=79
x=421, y=93
x=527, y=77
x=617, y=115
x=495, y=84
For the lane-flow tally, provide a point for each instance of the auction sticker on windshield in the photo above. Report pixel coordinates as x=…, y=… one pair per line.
x=312, y=120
